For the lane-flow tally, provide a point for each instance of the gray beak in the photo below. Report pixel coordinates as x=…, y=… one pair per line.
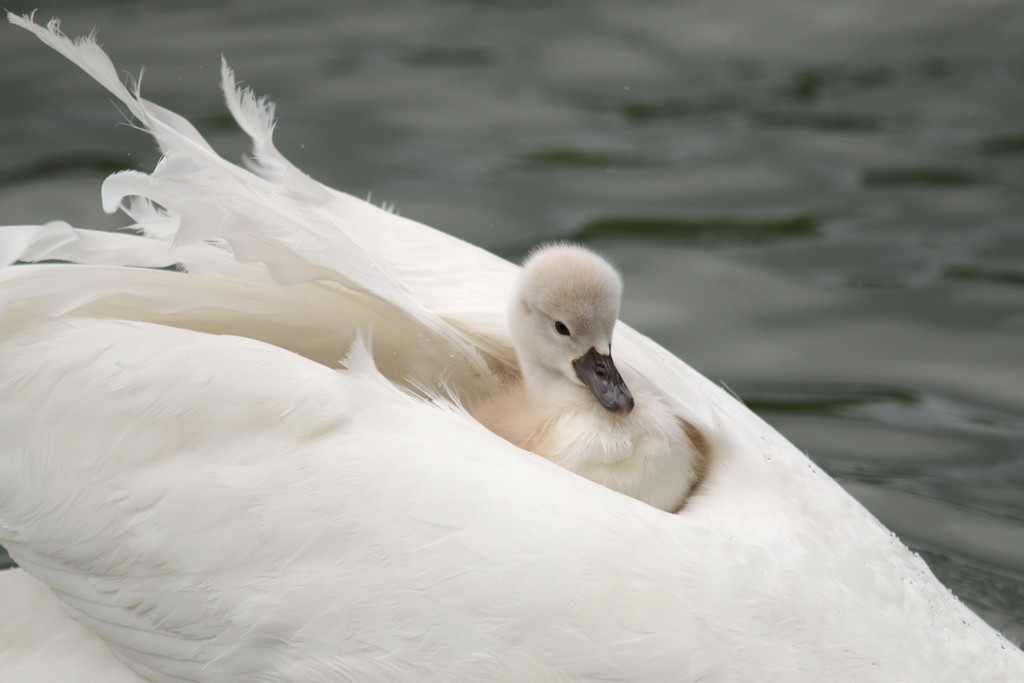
x=599, y=374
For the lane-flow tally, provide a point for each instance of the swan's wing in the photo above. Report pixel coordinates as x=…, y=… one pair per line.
x=172, y=514
x=40, y=643
x=299, y=230
x=222, y=509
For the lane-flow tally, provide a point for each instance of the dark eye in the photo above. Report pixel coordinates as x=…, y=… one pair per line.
x=561, y=329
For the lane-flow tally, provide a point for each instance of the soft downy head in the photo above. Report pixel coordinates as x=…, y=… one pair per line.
x=562, y=317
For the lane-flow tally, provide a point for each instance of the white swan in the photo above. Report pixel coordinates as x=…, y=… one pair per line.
x=207, y=497
x=570, y=404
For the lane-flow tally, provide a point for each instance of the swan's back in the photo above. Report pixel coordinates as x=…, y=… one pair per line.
x=279, y=524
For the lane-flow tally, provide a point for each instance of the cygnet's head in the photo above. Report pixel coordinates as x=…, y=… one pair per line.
x=561, y=319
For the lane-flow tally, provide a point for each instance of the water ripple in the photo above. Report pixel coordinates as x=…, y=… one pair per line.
x=701, y=231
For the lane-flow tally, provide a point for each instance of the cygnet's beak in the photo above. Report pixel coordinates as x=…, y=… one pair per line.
x=598, y=372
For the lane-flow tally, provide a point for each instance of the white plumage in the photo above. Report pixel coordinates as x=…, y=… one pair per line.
x=209, y=497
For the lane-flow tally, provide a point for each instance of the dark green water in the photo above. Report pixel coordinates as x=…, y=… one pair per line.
x=818, y=204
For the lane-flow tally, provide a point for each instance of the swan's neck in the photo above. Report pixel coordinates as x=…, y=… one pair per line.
x=544, y=385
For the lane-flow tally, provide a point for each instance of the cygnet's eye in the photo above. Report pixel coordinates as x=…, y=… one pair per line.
x=561, y=329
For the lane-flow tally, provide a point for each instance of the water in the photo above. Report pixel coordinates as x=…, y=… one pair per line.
x=816, y=204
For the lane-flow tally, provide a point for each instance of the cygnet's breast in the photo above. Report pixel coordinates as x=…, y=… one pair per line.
x=647, y=455
x=592, y=436
x=650, y=454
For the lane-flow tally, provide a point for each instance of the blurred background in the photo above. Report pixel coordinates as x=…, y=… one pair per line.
x=818, y=205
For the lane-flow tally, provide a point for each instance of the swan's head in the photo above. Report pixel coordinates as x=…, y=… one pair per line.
x=562, y=317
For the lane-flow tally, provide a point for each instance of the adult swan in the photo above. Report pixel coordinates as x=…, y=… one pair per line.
x=197, y=492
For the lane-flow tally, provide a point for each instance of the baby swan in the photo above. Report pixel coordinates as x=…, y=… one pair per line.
x=570, y=404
